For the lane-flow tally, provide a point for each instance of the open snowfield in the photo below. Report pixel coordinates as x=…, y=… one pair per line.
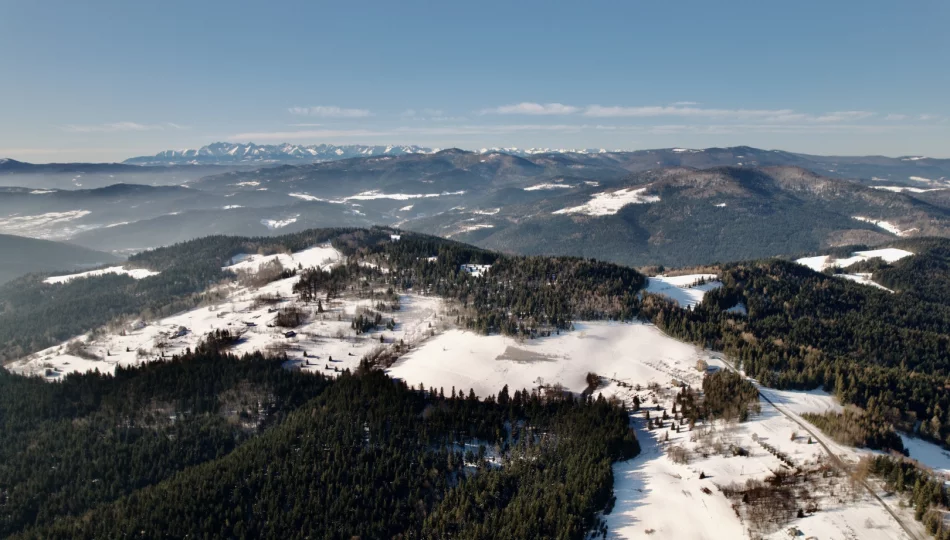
x=136, y=273
x=487, y=363
x=682, y=289
x=320, y=256
x=928, y=454
x=610, y=202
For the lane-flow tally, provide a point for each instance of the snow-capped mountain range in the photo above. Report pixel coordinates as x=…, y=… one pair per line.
x=221, y=153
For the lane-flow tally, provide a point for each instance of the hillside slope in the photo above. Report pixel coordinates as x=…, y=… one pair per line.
x=23, y=255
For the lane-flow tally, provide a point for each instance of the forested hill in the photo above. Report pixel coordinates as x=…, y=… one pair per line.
x=528, y=294
x=886, y=352
x=209, y=445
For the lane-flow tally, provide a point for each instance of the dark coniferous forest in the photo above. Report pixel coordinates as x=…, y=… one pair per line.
x=212, y=445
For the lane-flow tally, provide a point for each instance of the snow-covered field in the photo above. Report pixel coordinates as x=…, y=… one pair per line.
x=886, y=225
x=901, y=189
x=486, y=363
x=319, y=256
x=928, y=454
x=823, y=262
x=136, y=273
x=537, y=187
x=471, y=227
x=683, y=289
x=373, y=195
x=863, y=278
x=609, y=203
x=279, y=223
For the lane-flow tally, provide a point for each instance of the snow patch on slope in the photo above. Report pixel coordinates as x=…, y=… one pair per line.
x=135, y=273
x=610, y=202
x=538, y=187
x=886, y=225
x=822, y=262
x=278, y=223
x=684, y=290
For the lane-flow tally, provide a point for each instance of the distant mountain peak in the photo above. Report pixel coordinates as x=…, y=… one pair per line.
x=224, y=153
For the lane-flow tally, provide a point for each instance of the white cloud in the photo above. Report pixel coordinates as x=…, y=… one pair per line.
x=325, y=134
x=599, y=111
x=404, y=132
x=424, y=114
x=119, y=126
x=844, y=116
x=926, y=117
x=683, y=109
x=775, y=128
x=896, y=117
x=329, y=112
x=532, y=108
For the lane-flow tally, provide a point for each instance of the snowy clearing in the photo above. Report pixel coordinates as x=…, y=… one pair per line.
x=135, y=273
x=278, y=223
x=864, y=278
x=375, y=194
x=475, y=270
x=308, y=197
x=472, y=227
x=822, y=262
x=319, y=256
x=486, y=363
x=610, y=202
x=538, y=187
x=886, y=225
x=684, y=290
x=901, y=189
x=928, y=454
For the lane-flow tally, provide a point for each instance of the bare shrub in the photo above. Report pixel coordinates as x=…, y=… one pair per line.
x=678, y=454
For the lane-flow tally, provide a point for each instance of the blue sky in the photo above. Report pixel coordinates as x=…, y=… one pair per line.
x=103, y=81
